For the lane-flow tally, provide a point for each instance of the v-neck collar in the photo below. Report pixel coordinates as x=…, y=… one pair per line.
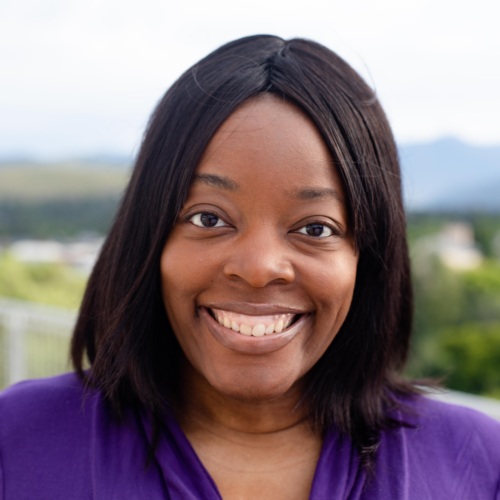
x=338, y=473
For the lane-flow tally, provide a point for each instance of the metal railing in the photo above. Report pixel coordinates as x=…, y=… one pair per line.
x=34, y=340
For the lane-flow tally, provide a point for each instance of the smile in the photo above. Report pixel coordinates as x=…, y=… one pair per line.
x=257, y=320
x=255, y=326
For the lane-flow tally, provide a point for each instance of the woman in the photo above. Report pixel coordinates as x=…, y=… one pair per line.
x=249, y=316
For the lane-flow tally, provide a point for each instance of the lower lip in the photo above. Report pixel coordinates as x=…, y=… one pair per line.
x=248, y=344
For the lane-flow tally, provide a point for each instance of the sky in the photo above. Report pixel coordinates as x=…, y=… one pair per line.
x=81, y=77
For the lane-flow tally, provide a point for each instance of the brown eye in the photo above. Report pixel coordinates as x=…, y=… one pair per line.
x=207, y=219
x=316, y=230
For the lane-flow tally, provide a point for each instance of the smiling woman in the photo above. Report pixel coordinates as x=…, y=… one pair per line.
x=266, y=212
x=249, y=317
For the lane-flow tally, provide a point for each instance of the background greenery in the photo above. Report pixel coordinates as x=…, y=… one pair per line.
x=457, y=313
x=58, y=201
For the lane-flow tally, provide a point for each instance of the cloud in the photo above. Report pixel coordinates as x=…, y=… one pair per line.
x=68, y=64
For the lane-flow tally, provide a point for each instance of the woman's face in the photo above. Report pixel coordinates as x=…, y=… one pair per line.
x=258, y=273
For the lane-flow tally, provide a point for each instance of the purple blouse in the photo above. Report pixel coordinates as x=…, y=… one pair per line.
x=56, y=443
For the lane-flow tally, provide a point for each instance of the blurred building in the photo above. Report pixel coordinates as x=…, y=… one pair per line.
x=80, y=255
x=454, y=245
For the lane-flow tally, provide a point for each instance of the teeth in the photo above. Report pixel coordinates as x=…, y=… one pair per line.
x=245, y=329
x=255, y=326
x=259, y=330
x=279, y=326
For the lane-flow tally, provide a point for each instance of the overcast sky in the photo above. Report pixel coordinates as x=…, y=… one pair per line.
x=82, y=76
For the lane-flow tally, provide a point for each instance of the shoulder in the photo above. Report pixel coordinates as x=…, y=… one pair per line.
x=40, y=394
x=30, y=406
x=443, y=450
x=435, y=419
x=42, y=404
x=44, y=434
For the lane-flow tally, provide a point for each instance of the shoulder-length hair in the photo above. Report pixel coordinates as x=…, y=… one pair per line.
x=123, y=329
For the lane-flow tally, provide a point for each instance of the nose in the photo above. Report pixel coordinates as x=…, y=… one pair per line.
x=260, y=258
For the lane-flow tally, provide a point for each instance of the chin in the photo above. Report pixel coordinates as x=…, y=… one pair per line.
x=254, y=387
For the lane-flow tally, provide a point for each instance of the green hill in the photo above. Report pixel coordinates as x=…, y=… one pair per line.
x=58, y=200
x=40, y=182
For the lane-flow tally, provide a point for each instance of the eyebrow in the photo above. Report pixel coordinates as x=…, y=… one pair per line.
x=217, y=181
x=310, y=193
x=317, y=194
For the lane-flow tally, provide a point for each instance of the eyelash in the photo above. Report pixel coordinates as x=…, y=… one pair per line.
x=196, y=220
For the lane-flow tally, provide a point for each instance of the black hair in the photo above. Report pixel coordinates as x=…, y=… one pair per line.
x=122, y=327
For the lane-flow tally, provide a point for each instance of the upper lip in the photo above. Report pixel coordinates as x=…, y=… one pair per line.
x=256, y=309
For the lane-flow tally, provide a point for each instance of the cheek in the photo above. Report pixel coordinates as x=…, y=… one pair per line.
x=332, y=285
x=347, y=281
x=336, y=292
x=183, y=271
x=334, y=282
x=174, y=282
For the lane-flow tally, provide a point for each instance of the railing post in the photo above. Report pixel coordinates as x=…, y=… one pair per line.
x=16, y=330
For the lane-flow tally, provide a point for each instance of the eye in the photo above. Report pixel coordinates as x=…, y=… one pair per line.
x=206, y=219
x=316, y=230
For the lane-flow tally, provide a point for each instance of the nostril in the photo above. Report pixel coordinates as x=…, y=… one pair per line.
x=260, y=270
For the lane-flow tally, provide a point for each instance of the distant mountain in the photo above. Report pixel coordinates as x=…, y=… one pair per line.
x=449, y=175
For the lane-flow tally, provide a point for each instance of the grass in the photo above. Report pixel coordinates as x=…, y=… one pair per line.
x=45, y=283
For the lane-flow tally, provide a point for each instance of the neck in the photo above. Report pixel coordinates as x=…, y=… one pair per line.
x=202, y=406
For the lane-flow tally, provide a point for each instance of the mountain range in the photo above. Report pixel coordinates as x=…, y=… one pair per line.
x=449, y=175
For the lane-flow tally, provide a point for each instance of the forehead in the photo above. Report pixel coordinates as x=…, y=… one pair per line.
x=267, y=139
